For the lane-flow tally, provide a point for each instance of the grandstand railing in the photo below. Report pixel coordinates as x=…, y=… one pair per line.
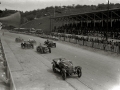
x=94, y=43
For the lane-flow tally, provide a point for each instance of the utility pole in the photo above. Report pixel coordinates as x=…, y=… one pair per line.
x=107, y=21
x=54, y=11
x=53, y=19
x=0, y=22
x=50, y=24
x=1, y=10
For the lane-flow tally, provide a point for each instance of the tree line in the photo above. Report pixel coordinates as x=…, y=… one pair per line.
x=58, y=11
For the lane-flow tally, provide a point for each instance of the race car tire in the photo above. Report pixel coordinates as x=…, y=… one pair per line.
x=55, y=44
x=79, y=73
x=63, y=74
x=54, y=70
x=37, y=50
x=49, y=50
x=41, y=51
x=32, y=46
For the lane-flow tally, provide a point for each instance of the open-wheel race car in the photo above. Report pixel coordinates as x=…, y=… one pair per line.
x=32, y=41
x=49, y=43
x=19, y=39
x=27, y=44
x=43, y=49
x=65, y=67
x=55, y=38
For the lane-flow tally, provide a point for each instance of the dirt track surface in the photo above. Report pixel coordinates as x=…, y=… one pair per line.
x=99, y=72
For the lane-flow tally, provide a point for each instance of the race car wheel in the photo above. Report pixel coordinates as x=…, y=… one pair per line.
x=54, y=70
x=37, y=50
x=63, y=74
x=41, y=51
x=44, y=51
x=22, y=46
x=55, y=45
x=49, y=50
x=32, y=47
x=79, y=73
x=16, y=40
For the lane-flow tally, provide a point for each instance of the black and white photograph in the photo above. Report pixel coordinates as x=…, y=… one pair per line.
x=59, y=44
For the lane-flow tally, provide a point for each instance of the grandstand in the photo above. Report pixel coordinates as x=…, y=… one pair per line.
x=104, y=23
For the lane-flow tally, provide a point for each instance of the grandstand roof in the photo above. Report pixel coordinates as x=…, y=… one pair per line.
x=96, y=15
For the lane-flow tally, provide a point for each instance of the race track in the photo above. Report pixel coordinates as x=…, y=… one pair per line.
x=99, y=72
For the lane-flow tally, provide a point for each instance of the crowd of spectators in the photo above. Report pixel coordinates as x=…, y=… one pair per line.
x=99, y=28
x=94, y=41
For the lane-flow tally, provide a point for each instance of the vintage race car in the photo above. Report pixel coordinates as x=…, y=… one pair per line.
x=27, y=44
x=32, y=41
x=43, y=36
x=55, y=38
x=65, y=67
x=19, y=39
x=49, y=43
x=43, y=49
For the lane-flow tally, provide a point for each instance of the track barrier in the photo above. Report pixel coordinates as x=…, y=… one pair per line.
x=89, y=44
x=72, y=40
x=108, y=47
x=9, y=79
x=81, y=42
x=96, y=45
x=67, y=39
x=62, y=38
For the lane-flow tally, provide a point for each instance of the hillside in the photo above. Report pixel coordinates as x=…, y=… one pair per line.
x=41, y=23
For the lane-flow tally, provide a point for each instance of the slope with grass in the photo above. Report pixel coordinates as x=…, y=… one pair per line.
x=41, y=23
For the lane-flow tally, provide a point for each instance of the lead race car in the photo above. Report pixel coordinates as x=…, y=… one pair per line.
x=65, y=67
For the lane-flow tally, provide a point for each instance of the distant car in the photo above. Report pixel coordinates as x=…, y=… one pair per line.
x=65, y=67
x=55, y=38
x=27, y=44
x=32, y=41
x=50, y=43
x=43, y=49
x=19, y=39
x=43, y=36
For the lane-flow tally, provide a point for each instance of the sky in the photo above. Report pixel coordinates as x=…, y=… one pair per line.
x=29, y=5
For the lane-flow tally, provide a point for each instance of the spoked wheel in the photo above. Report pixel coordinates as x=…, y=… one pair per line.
x=37, y=50
x=22, y=46
x=54, y=69
x=32, y=47
x=63, y=74
x=79, y=73
x=55, y=45
x=41, y=51
x=49, y=50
